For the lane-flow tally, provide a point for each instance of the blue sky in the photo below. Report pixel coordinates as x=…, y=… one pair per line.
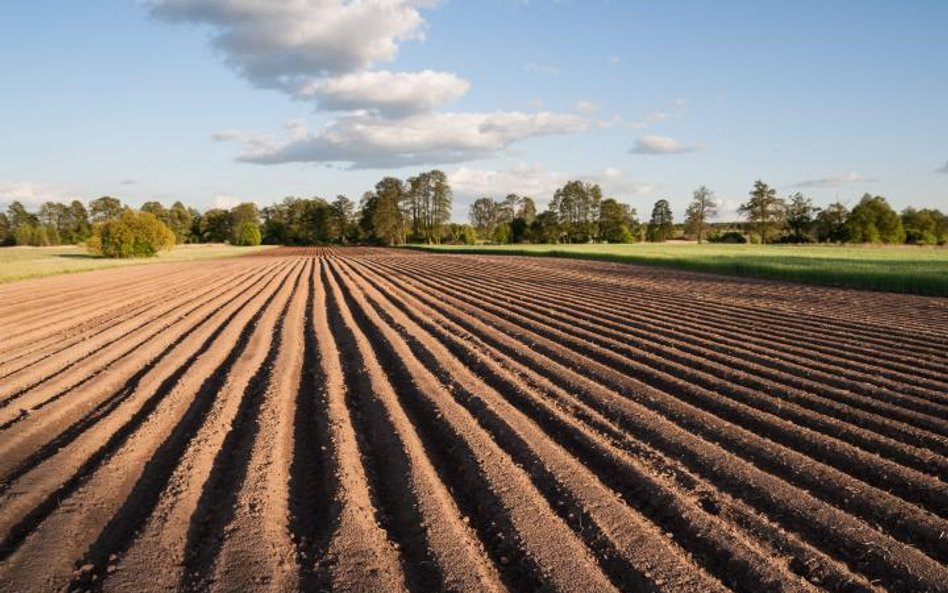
x=218, y=101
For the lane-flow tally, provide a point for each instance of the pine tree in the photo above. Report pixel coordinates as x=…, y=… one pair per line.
x=764, y=211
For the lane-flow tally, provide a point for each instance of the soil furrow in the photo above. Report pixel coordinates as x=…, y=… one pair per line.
x=513, y=522
x=558, y=415
x=363, y=419
x=789, y=501
x=176, y=397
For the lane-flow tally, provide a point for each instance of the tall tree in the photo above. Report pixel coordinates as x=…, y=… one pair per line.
x=386, y=221
x=19, y=216
x=156, y=209
x=342, y=216
x=243, y=214
x=831, y=223
x=874, y=221
x=105, y=208
x=179, y=220
x=367, y=206
x=701, y=209
x=441, y=207
x=418, y=200
x=925, y=227
x=801, y=218
x=661, y=224
x=577, y=205
x=483, y=216
x=527, y=210
x=77, y=225
x=429, y=198
x=615, y=222
x=54, y=216
x=216, y=226
x=764, y=211
x=393, y=190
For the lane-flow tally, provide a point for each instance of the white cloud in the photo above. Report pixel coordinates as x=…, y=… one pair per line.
x=370, y=141
x=326, y=51
x=615, y=183
x=943, y=169
x=524, y=179
x=835, y=180
x=32, y=193
x=393, y=93
x=323, y=49
x=289, y=43
x=661, y=145
x=614, y=60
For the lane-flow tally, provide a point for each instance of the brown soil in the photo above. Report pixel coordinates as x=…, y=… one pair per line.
x=317, y=419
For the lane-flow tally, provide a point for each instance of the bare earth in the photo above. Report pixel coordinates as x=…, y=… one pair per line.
x=374, y=420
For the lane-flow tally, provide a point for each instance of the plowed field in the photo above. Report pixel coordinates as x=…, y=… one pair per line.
x=377, y=420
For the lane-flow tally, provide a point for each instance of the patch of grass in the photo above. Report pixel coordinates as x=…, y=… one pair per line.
x=908, y=269
x=19, y=263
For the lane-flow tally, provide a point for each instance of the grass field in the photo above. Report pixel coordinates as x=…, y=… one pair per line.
x=19, y=263
x=916, y=270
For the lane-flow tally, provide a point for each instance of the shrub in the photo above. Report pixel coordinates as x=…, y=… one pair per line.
x=132, y=234
x=248, y=235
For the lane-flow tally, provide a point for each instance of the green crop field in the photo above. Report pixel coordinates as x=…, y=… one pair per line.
x=917, y=270
x=18, y=263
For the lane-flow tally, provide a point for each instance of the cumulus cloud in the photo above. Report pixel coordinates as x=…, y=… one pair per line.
x=834, y=181
x=943, y=169
x=615, y=183
x=370, y=141
x=284, y=44
x=327, y=51
x=657, y=145
x=524, y=179
x=392, y=93
x=323, y=50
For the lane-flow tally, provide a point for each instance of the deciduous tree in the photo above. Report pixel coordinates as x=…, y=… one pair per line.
x=615, y=222
x=701, y=209
x=105, y=208
x=577, y=205
x=801, y=218
x=874, y=221
x=831, y=223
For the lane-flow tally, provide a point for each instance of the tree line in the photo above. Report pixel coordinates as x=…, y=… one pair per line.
x=579, y=214
x=57, y=223
x=418, y=210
